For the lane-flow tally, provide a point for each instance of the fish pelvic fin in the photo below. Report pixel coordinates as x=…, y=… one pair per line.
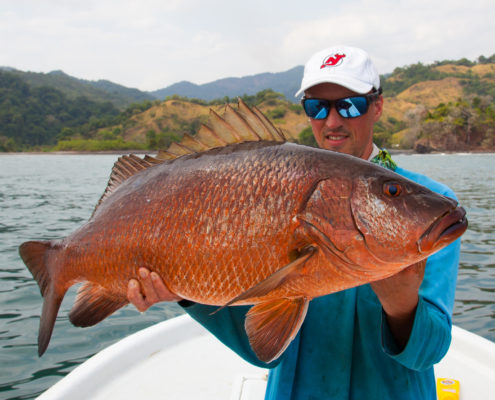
x=93, y=304
x=39, y=257
x=271, y=326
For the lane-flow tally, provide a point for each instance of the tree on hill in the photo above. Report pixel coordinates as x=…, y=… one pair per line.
x=36, y=116
x=457, y=126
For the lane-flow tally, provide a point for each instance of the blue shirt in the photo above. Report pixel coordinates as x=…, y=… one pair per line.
x=345, y=350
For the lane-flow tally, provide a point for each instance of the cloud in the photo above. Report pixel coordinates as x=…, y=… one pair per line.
x=399, y=33
x=153, y=43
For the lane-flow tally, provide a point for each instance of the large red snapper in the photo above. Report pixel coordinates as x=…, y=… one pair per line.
x=261, y=222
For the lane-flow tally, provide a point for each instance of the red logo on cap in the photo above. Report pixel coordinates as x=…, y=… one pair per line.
x=332, y=60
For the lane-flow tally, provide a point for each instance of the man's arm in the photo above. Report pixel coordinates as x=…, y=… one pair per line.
x=399, y=296
x=430, y=335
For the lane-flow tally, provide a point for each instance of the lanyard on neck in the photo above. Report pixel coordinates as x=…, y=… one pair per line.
x=384, y=159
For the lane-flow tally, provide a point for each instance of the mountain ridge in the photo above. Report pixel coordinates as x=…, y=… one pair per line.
x=101, y=90
x=445, y=106
x=285, y=82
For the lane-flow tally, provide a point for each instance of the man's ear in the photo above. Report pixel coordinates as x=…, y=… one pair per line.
x=378, y=108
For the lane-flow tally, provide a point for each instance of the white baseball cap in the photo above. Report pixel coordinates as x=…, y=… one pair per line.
x=343, y=65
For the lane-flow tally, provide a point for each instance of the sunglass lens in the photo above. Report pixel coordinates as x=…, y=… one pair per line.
x=316, y=109
x=352, y=107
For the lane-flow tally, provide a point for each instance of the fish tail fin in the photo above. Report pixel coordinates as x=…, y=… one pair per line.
x=39, y=258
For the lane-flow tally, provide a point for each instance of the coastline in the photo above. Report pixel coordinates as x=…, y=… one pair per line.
x=71, y=152
x=154, y=152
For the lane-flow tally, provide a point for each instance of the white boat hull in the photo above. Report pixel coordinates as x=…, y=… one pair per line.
x=179, y=359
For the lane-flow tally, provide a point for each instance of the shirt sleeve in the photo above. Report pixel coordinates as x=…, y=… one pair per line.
x=431, y=333
x=228, y=326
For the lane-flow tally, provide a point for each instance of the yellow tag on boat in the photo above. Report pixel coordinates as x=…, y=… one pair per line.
x=448, y=389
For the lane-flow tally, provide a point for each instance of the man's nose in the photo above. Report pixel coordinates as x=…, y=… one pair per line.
x=334, y=119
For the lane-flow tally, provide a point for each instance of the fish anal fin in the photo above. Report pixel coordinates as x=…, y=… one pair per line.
x=93, y=304
x=275, y=280
x=272, y=325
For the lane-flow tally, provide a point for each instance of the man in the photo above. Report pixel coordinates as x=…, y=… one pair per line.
x=376, y=341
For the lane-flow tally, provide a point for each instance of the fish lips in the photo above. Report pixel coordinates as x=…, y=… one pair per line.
x=443, y=231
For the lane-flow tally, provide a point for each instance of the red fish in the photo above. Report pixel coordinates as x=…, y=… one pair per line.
x=263, y=222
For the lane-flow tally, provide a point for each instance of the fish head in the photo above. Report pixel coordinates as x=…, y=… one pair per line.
x=380, y=222
x=403, y=221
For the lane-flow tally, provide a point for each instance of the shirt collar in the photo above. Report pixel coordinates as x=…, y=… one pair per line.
x=374, y=152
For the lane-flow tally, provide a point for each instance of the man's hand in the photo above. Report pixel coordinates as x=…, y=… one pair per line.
x=398, y=295
x=148, y=289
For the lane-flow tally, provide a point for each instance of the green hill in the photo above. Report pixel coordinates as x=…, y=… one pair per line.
x=98, y=91
x=445, y=106
x=37, y=116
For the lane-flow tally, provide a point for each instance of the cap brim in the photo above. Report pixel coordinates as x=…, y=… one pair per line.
x=351, y=84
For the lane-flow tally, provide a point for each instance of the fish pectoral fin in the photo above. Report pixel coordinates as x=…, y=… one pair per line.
x=276, y=279
x=272, y=325
x=93, y=304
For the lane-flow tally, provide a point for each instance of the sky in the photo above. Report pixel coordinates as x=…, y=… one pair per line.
x=151, y=44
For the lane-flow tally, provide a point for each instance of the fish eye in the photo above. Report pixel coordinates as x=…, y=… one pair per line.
x=392, y=189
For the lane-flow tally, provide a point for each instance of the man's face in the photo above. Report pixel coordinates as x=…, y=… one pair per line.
x=352, y=136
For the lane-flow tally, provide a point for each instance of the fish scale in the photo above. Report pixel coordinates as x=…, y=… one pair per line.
x=237, y=238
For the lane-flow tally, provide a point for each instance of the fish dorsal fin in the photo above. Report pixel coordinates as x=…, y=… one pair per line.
x=125, y=167
x=235, y=126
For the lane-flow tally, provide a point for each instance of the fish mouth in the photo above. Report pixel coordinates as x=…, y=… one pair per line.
x=443, y=231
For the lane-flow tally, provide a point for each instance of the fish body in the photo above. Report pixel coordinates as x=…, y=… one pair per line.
x=265, y=223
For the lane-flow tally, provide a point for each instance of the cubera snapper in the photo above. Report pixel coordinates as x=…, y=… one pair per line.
x=262, y=222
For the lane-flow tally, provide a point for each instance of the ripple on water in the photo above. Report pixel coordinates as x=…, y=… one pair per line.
x=46, y=197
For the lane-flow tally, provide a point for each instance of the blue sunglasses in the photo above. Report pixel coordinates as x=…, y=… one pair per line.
x=348, y=107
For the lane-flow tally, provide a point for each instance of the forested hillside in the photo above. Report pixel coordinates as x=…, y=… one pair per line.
x=98, y=91
x=37, y=116
x=446, y=106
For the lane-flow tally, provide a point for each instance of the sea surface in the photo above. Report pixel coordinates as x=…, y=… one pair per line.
x=49, y=196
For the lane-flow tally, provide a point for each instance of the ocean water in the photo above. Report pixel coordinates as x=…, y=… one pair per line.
x=49, y=196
